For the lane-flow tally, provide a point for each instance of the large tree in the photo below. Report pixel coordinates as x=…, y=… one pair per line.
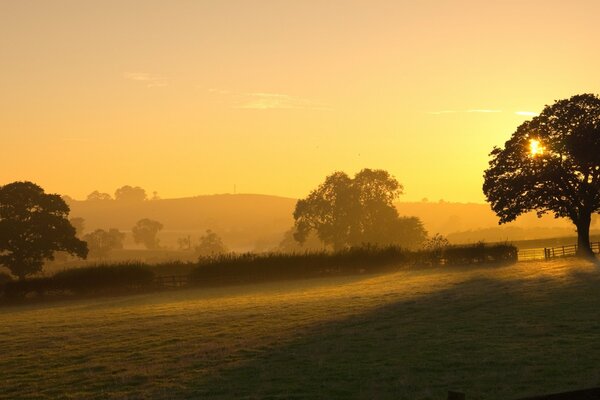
x=34, y=225
x=347, y=212
x=551, y=164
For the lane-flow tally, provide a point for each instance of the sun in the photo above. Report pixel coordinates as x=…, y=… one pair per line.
x=535, y=148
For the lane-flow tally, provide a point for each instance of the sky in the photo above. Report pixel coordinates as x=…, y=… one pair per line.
x=270, y=96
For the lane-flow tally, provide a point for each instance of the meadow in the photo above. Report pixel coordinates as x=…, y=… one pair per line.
x=491, y=332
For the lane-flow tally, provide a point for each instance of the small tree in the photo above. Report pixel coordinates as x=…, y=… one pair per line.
x=145, y=231
x=551, y=164
x=130, y=193
x=97, y=196
x=210, y=245
x=185, y=243
x=34, y=225
x=101, y=242
x=436, y=243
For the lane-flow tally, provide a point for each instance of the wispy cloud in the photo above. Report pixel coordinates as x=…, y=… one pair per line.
x=269, y=101
x=151, y=80
x=527, y=113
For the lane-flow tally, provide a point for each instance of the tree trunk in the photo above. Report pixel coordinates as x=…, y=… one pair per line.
x=583, y=235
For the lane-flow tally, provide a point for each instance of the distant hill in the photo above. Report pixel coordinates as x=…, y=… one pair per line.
x=242, y=220
x=257, y=222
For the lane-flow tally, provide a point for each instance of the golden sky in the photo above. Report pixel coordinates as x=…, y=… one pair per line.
x=194, y=97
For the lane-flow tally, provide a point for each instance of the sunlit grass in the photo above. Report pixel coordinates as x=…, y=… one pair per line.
x=494, y=333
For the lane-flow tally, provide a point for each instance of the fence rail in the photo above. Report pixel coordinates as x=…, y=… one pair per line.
x=545, y=253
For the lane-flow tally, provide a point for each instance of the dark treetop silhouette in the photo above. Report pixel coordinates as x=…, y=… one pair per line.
x=33, y=225
x=346, y=212
x=551, y=164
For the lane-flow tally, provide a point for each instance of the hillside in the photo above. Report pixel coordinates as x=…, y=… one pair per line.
x=257, y=222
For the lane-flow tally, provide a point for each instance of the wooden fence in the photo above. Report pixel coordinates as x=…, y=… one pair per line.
x=546, y=253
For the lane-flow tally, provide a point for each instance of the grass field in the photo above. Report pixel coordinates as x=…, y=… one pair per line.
x=494, y=333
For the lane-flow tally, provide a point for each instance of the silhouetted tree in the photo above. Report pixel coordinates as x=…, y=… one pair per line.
x=145, y=231
x=97, y=196
x=436, y=243
x=346, y=211
x=408, y=232
x=79, y=225
x=210, y=245
x=34, y=225
x=551, y=164
x=101, y=242
x=130, y=193
x=185, y=243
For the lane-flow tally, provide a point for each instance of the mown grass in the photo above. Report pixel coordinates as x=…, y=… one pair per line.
x=494, y=333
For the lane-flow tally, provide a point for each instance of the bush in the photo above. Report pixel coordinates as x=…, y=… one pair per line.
x=21, y=288
x=104, y=278
x=82, y=281
x=241, y=268
x=479, y=253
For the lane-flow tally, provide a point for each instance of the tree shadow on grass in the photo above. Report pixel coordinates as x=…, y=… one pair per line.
x=492, y=339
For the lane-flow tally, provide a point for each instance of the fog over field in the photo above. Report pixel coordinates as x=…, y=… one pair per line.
x=258, y=222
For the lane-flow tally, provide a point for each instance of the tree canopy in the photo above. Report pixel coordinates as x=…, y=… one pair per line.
x=210, y=245
x=347, y=212
x=551, y=164
x=34, y=225
x=101, y=242
x=145, y=231
x=130, y=193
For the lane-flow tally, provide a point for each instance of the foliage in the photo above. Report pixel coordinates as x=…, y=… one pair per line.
x=101, y=242
x=184, y=243
x=551, y=164
x=436, y=243
x=408, y=232
x=79, y=224
x=290, y=245
x=97, y=196
x=101, y=278
x=130, y=193
x=210, y=245
x=479, y=254
x=34, y=225
x=249, y=267
x=346, y=212
x=85, y=281
x=145, y=231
